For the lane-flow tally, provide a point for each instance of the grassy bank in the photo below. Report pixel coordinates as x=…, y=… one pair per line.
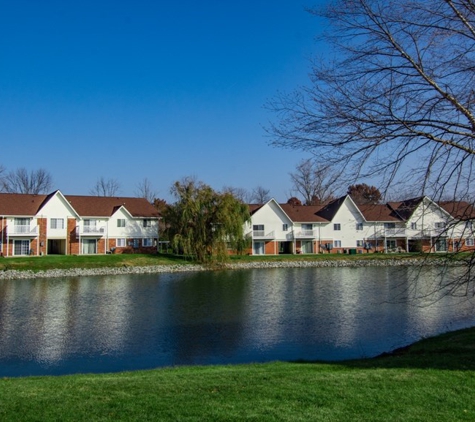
x=433, y=380
x=39, y=263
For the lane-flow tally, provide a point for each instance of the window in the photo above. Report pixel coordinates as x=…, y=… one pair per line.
x=337, y=243
x=391, y=244
x=21, y=247
x=285, y=227
x=413, y=226
x=469, y=241
x=440, y=225
x=258, y=229
x=120, y=243
x=121, y=222
x=337, y=226
x=469, y=225
x=147, y=223
x=147, y=242
x=22, y=221
x=389, y=225
x=359, y=226
x=57, y=223
x=89, y=246
x=359, y=243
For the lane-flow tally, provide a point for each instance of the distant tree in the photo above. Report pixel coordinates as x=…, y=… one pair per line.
x=145, y=190
x=294, y=201
x=203, y=222
x=22, y=181
x=314, y=182
x=260, y=195
x=105, y=187
x=161, y=206
x=364, y=194
x=239, y=193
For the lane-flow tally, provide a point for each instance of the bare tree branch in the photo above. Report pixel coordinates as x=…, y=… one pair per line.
x=398, y=94
x=145, y=190
x=105, y=187
x=315, y=183
x=22, y=181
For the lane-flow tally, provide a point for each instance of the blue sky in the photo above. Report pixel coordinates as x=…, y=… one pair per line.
x=150, y=89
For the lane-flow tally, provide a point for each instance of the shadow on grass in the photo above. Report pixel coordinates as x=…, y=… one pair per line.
x=449, y=351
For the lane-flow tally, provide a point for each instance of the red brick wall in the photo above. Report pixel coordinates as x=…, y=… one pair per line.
x=43, y=235
x=72, y=241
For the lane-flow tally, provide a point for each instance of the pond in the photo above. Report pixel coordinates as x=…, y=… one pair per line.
x=116, y=323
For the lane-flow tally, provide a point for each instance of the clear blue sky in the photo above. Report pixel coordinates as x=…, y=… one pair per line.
x=156, y=89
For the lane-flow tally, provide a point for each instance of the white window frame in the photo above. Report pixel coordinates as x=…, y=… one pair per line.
x=147, y=242
x=120, y=242
x=337, y=227
x=359, y=226
x=337, y=243
x=56, y=223
x=121, y=222
x=413, y=226
x=147, y=222
x=285, y=227
x=23, y=248
x=359, y=243
x=469, y=241
x=440, y=225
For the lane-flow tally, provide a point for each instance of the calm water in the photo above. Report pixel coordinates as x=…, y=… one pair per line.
x=105, y=324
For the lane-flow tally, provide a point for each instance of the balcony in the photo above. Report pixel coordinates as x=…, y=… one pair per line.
x=91, y=231
x=306, y=234
x=23, y=230
x=261, y=234
x=398, y=232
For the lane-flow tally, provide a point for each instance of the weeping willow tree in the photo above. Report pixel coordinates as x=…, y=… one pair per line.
x=205, y=223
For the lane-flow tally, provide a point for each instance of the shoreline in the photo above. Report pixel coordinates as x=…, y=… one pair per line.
x=158, y=269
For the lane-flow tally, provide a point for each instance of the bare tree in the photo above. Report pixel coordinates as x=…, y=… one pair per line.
x=105, y=187
x=314, y=182
x=395, y=100
x=145, y=190
x=22, y=181
x=398, y=94
x=260, y=195
x=239, y=193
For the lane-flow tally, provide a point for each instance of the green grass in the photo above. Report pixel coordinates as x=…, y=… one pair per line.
x=433, y=380
x=39, y=263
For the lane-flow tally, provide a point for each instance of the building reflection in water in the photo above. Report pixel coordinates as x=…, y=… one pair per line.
x=101, y=324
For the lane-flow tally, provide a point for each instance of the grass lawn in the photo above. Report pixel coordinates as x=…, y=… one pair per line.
x=39, y=263
x=433, y=380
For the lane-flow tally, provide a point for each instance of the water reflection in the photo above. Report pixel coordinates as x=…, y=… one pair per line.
x=99, y=324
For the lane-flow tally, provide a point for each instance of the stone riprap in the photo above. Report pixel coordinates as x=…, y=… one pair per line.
x=77, y=272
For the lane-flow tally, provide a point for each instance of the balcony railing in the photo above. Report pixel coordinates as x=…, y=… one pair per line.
x=306, y=234
x=22, y=230
x=261, y=234
x=399, y=232
x=90, y=231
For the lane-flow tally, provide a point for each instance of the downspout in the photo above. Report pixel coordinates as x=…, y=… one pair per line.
x=3, y=228
x=8, y=241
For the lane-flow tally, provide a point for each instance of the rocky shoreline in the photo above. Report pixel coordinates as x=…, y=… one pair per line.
x=156, y=269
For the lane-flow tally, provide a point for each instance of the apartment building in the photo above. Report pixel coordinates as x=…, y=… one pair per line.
x=75, y=225
x=342, y=226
